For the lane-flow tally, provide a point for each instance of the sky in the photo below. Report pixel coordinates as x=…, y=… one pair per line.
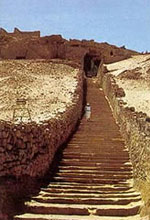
x=118, y=22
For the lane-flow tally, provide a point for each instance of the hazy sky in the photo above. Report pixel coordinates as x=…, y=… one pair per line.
x=119, y=22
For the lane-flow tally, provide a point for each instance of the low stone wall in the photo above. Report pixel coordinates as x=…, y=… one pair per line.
x=28, y=149
x=135, y=128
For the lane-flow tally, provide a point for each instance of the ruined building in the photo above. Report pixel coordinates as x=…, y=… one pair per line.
x=29, y=45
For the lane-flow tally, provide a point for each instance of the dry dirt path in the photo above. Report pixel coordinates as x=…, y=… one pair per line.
x=94, y=180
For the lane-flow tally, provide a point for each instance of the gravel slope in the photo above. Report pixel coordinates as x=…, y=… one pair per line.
x=47, y=87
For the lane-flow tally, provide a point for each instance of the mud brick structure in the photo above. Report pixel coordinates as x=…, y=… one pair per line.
x=22, y=34
x=29, y=45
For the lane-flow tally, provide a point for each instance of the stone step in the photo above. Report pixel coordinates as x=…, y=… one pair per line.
x=87, y=194
x=82, y=174
x=95, y=158
x=89, y=180
x=99, y=132
x=95, y=171
x=82, y=209
x=74, y=190
x=104, y=140
x=31, y=216
x=111, y=154
x=102, y=145
x=97, y=168
x=90, y=201
x=94, y=178
x=104, y=153
x=107, y=186
x=100, y=142
x=78, y=162
x=83, y=134
x=90, y=188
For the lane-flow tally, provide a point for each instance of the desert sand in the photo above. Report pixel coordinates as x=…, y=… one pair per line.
x=133, y=75
x=47, y=89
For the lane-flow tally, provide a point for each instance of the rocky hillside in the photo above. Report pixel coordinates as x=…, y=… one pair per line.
x=133, y=75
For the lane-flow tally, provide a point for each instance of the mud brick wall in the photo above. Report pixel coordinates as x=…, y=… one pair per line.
x=134, y=126
x=29, y=45
x=28, y=149
x=18, y=33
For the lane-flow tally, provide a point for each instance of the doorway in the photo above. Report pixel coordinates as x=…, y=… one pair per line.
x=91, y=64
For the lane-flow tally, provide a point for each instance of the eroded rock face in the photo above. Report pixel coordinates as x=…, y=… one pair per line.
x=40, y=106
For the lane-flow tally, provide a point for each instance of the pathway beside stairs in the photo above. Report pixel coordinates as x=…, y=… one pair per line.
x=94, y=180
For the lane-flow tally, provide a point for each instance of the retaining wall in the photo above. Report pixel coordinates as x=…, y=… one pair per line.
x=135, y=128
x=28, y=149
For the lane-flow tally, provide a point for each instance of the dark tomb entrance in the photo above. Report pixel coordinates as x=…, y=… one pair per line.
x=91, y=64
x=20, y=57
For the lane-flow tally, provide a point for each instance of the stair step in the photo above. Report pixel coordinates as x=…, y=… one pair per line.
x=105, y=150
x=76, y=209
x=106, y=191
x=94, y=171
x=31, y=216
x=121, y=186
x=96, y=159
x=88, y=194
x=95, y=164
x=83, y=200
x=92, y=175
x=89, y=180
x=109, y=154
x=97, y=168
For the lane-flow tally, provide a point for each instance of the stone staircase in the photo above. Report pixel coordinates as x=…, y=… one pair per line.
x=94, y=178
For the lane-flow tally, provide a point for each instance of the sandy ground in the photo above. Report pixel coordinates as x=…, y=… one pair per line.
x=133, y=75
x=47, y=88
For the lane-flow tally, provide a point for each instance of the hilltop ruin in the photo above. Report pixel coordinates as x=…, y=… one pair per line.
x=29, y=45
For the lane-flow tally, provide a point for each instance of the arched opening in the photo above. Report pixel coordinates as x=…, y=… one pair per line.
x=95, y=66
x=91, y=64
x=87, y=63
x=111, y=53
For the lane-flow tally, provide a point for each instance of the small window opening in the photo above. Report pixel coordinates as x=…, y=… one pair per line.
x=20, y=57
x=111, y=53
